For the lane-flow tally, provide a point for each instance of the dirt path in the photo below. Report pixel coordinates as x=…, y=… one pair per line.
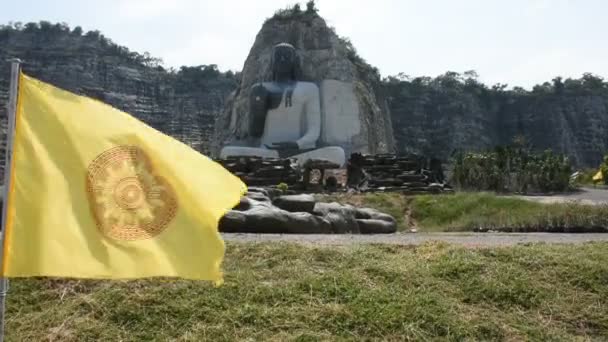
x=594, y=196
x=467, y=239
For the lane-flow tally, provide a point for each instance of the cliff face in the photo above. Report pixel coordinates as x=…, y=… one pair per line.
x=432, y=116
x=573, y=124
x=334, y=66
x=437, y=116
x=183, y=104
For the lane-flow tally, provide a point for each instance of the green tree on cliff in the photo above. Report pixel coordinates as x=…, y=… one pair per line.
x=310, y=7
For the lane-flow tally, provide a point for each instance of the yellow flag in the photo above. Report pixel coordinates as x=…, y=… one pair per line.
x=96, y=193
x=598, y=176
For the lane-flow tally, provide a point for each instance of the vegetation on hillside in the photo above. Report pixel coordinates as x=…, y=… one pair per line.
x=435, y=116
x=430, y=116
x=45, y=33
x=295, y=12
x=513, y=168
x=285, y=292
x=587, y=84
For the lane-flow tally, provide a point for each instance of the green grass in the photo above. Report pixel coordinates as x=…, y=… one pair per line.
x=286, y=292
x=480, y=211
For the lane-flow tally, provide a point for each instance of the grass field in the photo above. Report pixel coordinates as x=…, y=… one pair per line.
x=285, y=292
x=480, y=211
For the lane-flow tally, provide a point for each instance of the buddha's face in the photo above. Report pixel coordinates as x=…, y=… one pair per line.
x=284, y=59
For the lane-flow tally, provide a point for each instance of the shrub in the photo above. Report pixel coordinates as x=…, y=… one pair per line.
x=512, y=169
x=283, y=187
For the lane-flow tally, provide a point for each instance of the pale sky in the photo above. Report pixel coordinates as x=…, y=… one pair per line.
x=518, y=42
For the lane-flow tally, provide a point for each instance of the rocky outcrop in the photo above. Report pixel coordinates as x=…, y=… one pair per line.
x=435, y=117
x=183, y=104
x=355, y=116
x=267, y=211
x=428, y=116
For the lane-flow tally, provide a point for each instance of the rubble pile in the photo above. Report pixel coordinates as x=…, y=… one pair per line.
x=257, y=171
x=410, y=174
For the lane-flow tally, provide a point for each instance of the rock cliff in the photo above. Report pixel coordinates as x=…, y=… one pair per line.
x=429, y=116
x=355, y=115
x=183, y=104
x=435, y=116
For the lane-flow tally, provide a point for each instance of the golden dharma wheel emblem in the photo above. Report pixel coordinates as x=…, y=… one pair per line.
x=128, y=200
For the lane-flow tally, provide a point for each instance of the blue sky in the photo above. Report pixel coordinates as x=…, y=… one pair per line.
x=518, y=42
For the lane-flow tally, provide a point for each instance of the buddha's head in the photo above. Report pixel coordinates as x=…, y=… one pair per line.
x=284, y=62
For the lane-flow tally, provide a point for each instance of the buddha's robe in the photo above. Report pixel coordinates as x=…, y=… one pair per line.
x=299, y=121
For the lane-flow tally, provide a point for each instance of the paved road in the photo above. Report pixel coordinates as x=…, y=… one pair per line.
x=467, y=239
x=593, y=196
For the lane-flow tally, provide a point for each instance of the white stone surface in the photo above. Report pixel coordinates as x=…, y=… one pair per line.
x=333, y=154
x=340, y=113
x=299, y=122
x=303, y=122
x=248, y=151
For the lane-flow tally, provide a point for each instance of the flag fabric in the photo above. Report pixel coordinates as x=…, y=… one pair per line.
x=96, y=193
x=598, y=176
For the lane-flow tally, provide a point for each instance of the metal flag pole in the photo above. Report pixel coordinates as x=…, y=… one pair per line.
x=10, y=132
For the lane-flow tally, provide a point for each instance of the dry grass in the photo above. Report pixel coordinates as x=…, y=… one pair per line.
x=285, y=292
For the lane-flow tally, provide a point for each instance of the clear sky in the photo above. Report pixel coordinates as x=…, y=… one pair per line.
x=518, y=42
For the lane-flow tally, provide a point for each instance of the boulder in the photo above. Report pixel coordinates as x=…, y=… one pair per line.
x=376, y=227
x=295, y=203
x=372, y=221
x=305, y=223
x=271, y=220
x=341, y=217
x=369, y=213
x=233, y=221
x=299, y=214
x=257, y=196
x=262, y=219
x=263, y=191
x=244, y=204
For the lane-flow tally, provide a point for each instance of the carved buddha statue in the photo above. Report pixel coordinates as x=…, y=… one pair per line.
x=285, y=115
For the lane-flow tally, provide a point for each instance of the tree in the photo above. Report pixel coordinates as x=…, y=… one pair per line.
x=403, y=77
x=310, y=7
x=61, y=27
x=31, y=27
x=150, y=61
x=471, y=74
x=499, y=87
x=558, y=84
x=45, y=26
x=93, y=35
x=592, y=82
x=77, y=31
